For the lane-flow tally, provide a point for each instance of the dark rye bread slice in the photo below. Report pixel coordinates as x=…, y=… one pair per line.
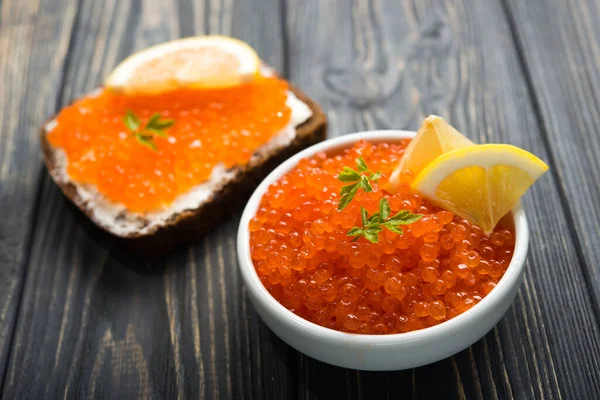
x=188, y=226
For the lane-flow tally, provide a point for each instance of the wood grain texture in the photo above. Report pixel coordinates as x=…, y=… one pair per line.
x=34, y=39
x=88, y=325
x=95, y=323
x=562, y=63
x=387, y=64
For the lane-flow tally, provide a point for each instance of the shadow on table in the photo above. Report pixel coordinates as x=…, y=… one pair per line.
x=440, y=380
x=120, y=254
x=455, y=377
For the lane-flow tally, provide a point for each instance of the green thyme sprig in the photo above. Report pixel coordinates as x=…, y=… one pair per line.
x=356, y=180
x=154, y=127
x=372, y=225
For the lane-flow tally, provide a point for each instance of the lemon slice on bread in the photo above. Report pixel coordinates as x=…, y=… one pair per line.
x=195, y=62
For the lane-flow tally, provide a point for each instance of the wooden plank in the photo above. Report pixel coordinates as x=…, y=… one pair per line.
x=249, y=360
x=387, y=64
x=84, y=349
x=561, y=42
x=96, y=323
x=34, y=38
x=92, y=327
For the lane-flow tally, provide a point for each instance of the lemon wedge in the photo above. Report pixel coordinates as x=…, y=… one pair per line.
x=195, y=62
x=434, y=138
x=480, y=183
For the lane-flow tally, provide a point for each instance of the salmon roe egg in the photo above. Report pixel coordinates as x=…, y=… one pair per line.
x=437, y=269
x=212, y=127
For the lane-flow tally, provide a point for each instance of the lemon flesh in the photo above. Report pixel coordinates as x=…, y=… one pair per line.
x=480, y=183
x=434, y=138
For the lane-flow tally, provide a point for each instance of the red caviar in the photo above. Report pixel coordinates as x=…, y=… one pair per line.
x=440, y=267
x=211, y=127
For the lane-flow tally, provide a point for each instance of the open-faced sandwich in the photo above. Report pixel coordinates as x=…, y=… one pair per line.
x=176, y=139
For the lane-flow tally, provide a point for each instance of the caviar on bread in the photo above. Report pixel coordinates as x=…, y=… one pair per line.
x=158, y=168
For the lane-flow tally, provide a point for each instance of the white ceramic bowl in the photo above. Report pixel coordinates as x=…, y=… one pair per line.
x=376, y=352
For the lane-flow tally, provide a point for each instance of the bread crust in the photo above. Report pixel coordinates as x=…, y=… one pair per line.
x=188, y=226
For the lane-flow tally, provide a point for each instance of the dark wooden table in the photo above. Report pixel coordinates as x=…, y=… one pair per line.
x=78, y=320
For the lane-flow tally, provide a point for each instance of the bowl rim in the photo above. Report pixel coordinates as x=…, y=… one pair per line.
x=253, y=284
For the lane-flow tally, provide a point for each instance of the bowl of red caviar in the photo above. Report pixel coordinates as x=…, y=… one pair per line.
x=417, y=286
